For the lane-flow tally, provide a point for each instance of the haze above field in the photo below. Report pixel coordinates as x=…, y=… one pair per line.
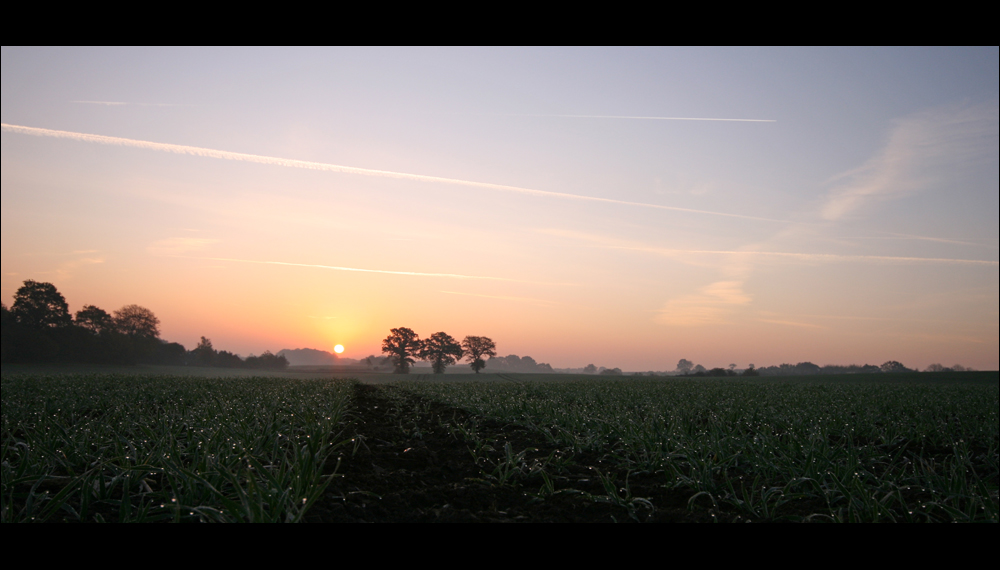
x=576, y=205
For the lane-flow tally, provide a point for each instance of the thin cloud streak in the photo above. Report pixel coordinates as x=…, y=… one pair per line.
x=647, y=118
x=106, y=103
x=823, y=256
x=122, y=104
x=792, y=324
x=290, y=163
x=604, y=243
x=934, y=239
x=353, y=269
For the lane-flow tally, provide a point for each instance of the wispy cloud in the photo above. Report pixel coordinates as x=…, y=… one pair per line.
x=178, y=246
x=290, y=163
x=919, y=150
x=66, y=270
x=712, y=305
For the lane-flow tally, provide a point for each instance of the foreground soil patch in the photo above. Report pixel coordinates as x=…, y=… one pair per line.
x=411, y=463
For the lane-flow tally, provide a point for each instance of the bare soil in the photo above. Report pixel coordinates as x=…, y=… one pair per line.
x=410, y=463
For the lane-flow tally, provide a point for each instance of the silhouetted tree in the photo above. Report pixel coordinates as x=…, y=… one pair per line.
x=137, y=322
x=225, y=359
x=402, y=345
x=935, y=368
x=374, y=362
x=204, y=353
x=138, y=330
x=611, y=372
x=7, y=326
x=171, y=354
x=40, y=306
x=441, y=350
x=515, y=363
x=751, y=371
x=892, y=367
x=267, y=361
x=94, y=320
x=684, y=366
x=476, y=347
x=590, y=369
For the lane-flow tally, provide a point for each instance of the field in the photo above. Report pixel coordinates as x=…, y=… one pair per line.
x=161, y=445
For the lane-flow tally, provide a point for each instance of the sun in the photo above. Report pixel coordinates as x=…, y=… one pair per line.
x=339, y=348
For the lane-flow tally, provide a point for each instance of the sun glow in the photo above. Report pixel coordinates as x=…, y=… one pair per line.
x=338, y=349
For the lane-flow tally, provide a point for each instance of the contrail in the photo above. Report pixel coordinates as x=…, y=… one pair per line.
x=121, y=103
x=270, y=160
x=813, y=256
x=647, y=118
x=604, y=243
x=335, y=268
x=107, y=103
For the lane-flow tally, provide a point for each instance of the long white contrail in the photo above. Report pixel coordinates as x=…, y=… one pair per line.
x=647, y=118
x=354, y=269
x=270, y=160
x=123, y=103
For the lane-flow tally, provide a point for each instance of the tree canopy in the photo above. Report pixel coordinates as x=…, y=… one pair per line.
x=137, y=322
x=402, y=345
x=441, y=350
x=40, y=306
x=95, y=320
x=476, y=347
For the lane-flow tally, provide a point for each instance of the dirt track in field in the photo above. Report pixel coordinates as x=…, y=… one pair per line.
x=409, y=465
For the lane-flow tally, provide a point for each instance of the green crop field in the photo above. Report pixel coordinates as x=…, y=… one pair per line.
x=144, y=447
x=907, y=448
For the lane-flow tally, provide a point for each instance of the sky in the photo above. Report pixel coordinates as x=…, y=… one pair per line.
x=626, y=207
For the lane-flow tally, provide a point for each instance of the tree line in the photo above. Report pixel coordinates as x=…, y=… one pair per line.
x=687, y=368
x=404, y=347
x=38, y=328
